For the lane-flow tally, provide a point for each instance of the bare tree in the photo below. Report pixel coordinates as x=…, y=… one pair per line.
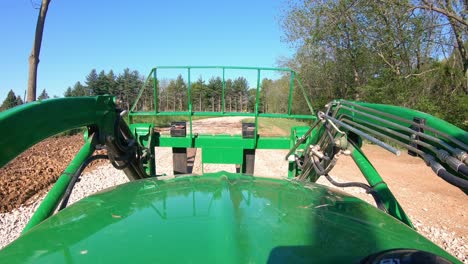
x=455, y=12
x=36, y=49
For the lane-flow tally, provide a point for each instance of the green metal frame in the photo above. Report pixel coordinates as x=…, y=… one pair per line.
x=214, y=144
x=99, y=115
x=377, y=183
x=30, y=123
x=52, y=200
x=369, y=116
x=228, y=149
x=405, y=114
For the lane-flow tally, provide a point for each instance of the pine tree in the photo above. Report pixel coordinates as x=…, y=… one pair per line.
x=112, y=83
x=181, y=91
x=240, y=87
x=91, y=81
x=199, y=95
x=68, y=92
x=102, y=84
x=215, y=86
x=43, y=95
x=128, y=85
x=229, y=95
x=80, y=90
x=19, y=101
x=9, y=102
x=77, y=90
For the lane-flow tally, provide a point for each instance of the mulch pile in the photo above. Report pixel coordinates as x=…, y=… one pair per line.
x=36, y=169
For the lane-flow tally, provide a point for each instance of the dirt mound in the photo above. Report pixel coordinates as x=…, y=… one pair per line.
x=36, y=169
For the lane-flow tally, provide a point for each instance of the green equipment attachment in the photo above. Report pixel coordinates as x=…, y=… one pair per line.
x=228, y=217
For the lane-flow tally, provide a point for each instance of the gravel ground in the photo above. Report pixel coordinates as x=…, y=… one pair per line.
x=100, y=178
x=440, y=235
x=106, y=176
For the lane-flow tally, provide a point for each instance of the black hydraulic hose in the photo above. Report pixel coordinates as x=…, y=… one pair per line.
x=117, y=129
x=364, y=186
x=348, y=184
x=122, y=132
x=443, y=155
x=403, y=128
x=454, y=163
x=75, y=178
x=319, y=168
x=450, y=178
x=391, y=116
x=463, y=169
x=116, y=165
x=444, y=174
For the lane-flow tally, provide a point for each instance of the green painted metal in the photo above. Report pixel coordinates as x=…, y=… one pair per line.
x=273, y=143
x=142, y=90
x=224, y=89
x=291, y=90
x=243, y=218
x=226, y=141
x=145, y=137
x=202, y=141
x=306, y=117
x=54, y=196
x=222, y=155
x=155, y=90
x=376, y=181
x=215, y=218
x=226, y=67
x=408, y=115
x=431, y=121
x=304, y=93
x=297, y=132
x=257, y=105
x=68, y=113
x=190, y=102
x=218, y=114
x=192, y=140
x=396, y=122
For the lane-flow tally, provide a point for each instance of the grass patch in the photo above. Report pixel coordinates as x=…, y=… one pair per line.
x=164, y=121
x=275, y=126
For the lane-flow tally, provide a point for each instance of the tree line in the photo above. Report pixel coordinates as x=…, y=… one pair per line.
x=206, y=95
x=13, y=100
x=172, y=93
x=407, y=53
x=124, y=86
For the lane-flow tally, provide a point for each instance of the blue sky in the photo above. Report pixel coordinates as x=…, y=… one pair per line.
x=82, y=35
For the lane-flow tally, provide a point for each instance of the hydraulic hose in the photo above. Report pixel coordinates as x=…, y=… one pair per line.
x=450, y=178
x=444, y=174
x=463, y=169
x=364, y=186
x=75, y=178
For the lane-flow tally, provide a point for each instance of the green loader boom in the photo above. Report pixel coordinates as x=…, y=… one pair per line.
x=228, y=217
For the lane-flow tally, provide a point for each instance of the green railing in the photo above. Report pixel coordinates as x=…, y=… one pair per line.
x=153, y=76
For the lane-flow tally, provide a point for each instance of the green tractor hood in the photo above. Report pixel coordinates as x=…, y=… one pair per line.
x=215, y=218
